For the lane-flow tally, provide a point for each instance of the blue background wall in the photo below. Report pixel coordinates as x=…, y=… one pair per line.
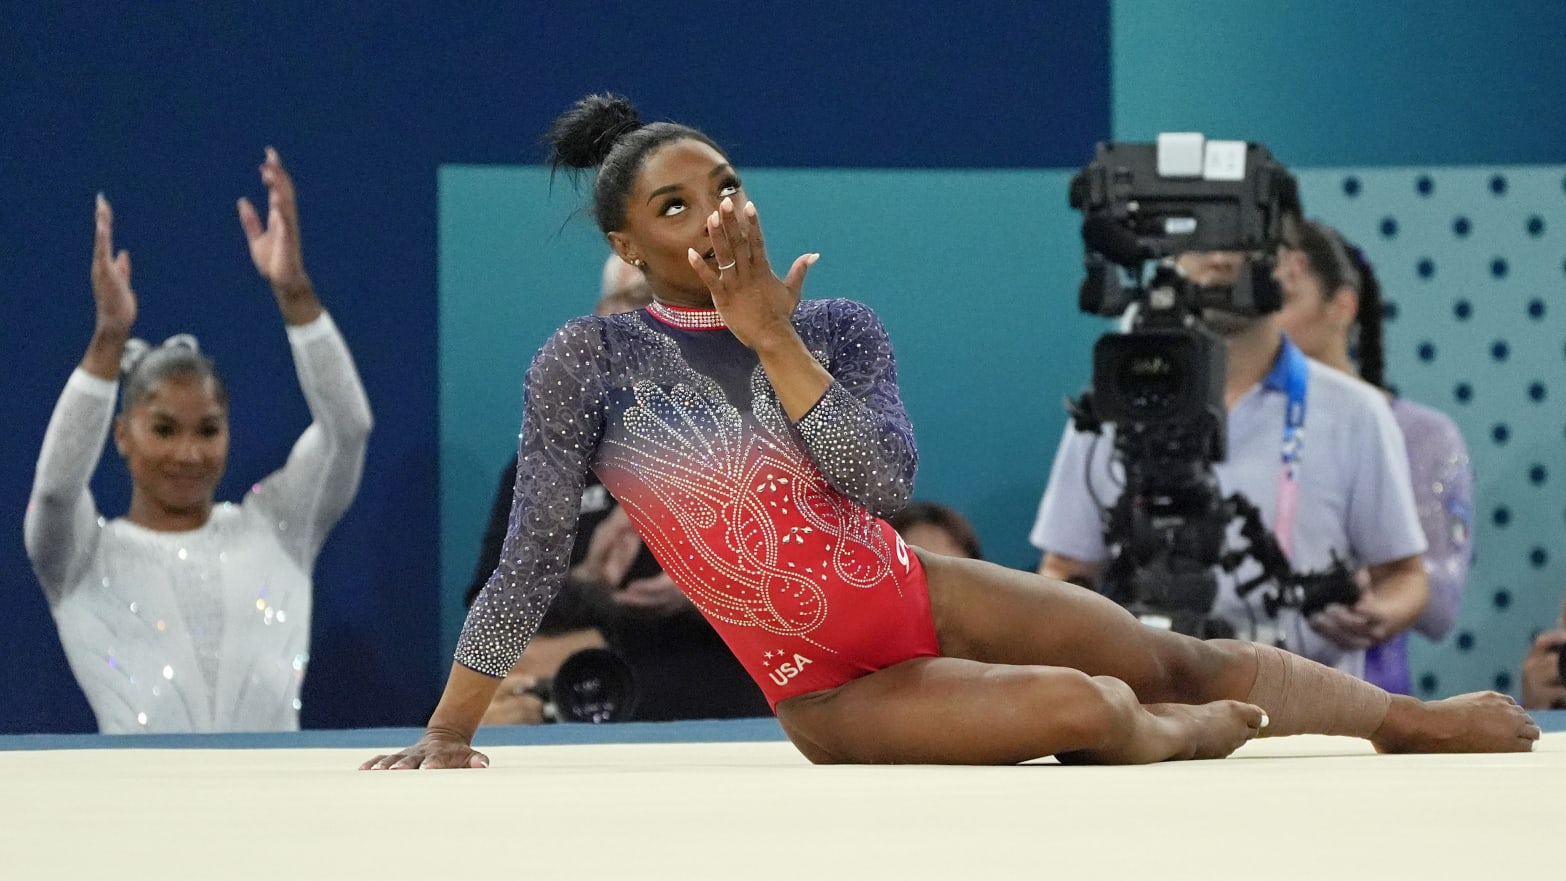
x=166, y=109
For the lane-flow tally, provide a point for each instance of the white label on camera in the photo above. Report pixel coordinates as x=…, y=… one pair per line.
x=1179, y=226
x=1225, y=161
x=1180, y=154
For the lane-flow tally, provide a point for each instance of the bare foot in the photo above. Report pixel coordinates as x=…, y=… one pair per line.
x=1213, y=730
x=1170, y=732
x=1481, y=722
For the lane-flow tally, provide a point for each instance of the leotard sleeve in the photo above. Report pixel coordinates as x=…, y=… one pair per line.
x=859, y=433
x=562, y=422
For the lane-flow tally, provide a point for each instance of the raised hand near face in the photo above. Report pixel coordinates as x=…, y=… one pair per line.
x=275, y=247
x=757, y=306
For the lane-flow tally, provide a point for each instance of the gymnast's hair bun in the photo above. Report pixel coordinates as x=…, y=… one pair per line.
x=137, y=349
x=583, y=135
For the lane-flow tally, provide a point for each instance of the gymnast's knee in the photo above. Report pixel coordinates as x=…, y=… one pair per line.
x=798, y=717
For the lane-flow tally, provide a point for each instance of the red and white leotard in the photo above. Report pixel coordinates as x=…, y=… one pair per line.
x=768, y=526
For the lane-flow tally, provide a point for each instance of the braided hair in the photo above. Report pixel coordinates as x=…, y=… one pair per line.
x=1368, y=350
x=1336, y=264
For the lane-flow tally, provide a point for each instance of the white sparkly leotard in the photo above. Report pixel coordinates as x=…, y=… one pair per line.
x=206, y=630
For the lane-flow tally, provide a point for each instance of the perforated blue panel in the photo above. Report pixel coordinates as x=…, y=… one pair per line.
x=1473, y=261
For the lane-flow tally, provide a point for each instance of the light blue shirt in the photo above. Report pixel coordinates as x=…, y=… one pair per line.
x=1355, y=496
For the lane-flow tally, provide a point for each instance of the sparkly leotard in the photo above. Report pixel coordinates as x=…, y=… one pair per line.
x=768, y=526
x=206, y=629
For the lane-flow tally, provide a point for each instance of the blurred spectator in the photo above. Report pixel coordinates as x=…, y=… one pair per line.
x=1542, y=688
x=936, y=527
x=1332, y=311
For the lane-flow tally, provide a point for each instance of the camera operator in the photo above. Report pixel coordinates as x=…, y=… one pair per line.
x=1347, y=496
x=1544, y=671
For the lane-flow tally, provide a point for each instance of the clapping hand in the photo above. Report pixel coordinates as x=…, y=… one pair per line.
x=111, y=276
x=275, y=247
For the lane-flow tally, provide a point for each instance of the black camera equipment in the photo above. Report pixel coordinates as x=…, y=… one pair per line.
x=1161, y=383
x=592, y=685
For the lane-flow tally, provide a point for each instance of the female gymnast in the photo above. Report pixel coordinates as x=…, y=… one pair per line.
x=185, y=615
x=755, y=440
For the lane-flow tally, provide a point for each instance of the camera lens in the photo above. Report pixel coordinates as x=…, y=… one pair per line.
x=1151, y=381
x=594, y=685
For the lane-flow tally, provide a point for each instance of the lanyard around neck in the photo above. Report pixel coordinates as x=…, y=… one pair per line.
x=1292, y=372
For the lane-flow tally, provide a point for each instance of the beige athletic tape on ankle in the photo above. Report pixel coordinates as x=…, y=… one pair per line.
x=1301, y=696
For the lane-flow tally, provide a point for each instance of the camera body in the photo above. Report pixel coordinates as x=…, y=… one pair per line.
x=1161, y=381
x=591, y=685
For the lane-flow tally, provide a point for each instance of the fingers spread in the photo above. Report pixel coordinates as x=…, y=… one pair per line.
x=796, y=273
x=381, y=762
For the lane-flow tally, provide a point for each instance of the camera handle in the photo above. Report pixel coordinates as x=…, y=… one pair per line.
x=1310, y=592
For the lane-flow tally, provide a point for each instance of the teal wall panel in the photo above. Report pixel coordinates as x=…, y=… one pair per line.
x=1346, y=82
x=1474, y=260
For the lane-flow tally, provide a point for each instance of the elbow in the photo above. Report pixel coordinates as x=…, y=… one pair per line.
x=352, y=428
x=1439, y=616
x=361, y=431
x=360, y=422
x=897, y=495
x=50, y=498
x=884, y=501
x=896, y=491
x=48, y=567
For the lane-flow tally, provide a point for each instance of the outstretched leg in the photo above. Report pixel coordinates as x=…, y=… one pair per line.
x=997, y=615
x=956, y=711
